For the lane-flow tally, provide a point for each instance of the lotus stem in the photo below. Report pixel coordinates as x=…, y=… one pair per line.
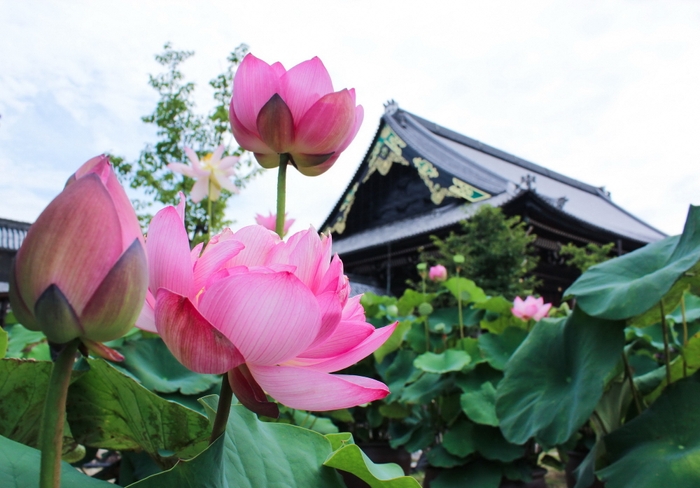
x=667, y=353
x=222, y=410
x=51, y=435
x=281, y=194
x=459, y=307
x=628, y=373
x=685, y=336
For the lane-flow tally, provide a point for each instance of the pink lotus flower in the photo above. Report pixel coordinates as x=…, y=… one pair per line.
x=275, y=315
x=296, y=112
x=438, y=273
x=270, y=222
x=531, y=308
x=81, y=271
x=211, y=172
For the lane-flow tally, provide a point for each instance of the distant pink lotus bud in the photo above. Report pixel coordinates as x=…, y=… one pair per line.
x=296, y=112
x=438, y=273
x=270, y=222
x=81, y=271
x=274, y=315
x=211, y=172
x=531, y=308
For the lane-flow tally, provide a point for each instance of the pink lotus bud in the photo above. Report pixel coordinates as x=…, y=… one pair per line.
x=296, y=112
x=531, y=308
x=438, y=273
x=81, y=271
x=275, y=315
x=270, y=222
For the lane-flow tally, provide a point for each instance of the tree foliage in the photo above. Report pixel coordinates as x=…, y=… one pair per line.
x=497, y=250
x=585, y=257
x=179, y=125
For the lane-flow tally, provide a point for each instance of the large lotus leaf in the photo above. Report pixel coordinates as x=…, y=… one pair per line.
x=3, y=343
x=19, y=468
x=415, y=338
x=692, y=310
x=394, y=341
x=411, y=299
x=691, y=355
x=263, y=454
x=153, y=364
x=23, y=385
x=428, y=386
x=491, y=444
x=498, y=348
x=480, y=405
x=445, y=362
x=110, y=410
x=481, y=474
x=661, y=447
x=459, y=439
x=555, y=378
x=443, y=320
x=349, y=457
x=399, y=372
x=466, y=289
x=630, y=285
x=440, y=458
x=27, y=344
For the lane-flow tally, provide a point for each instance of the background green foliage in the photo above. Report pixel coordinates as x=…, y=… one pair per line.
x=498, y=252
x=179, y=125
x=585, y=257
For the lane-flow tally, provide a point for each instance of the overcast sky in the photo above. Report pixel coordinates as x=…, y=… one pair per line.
x=603, y=91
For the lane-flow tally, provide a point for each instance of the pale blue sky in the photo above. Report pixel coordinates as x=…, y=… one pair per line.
x=603, y=91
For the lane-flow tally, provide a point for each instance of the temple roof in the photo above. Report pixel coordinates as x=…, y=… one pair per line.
x=418, y=177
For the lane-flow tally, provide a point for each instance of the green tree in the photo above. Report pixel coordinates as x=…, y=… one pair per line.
x=585, y=257
x=179, y=125
x=498, y=253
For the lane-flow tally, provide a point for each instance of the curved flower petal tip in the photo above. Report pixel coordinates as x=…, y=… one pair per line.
x=295, y=112
x=306, y=389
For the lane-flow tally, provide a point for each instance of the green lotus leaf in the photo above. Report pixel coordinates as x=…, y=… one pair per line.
x=3, y=343
x=635, y=283
x=480, y=405
x=661, y=447
x=482, y=474
x=156, y=368
x=440, y=458
x=466, y=289
x=411, y=299
x=19, y=468
x=459, y=439
x=445, y=362
x=394, y=341
x=498, y=348
x=107, y=409
x=556, y=377
x=428, y=386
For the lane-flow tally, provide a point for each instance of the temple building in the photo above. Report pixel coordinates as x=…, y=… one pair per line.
x=420, y=179
x=12, y=233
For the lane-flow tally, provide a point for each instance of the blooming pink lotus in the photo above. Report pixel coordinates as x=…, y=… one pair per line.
x=275, y=315
x=530, y=308
x=438, y=273
x=296, y=112
x=81, y=271
x=211, y=172
x=270, y=222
